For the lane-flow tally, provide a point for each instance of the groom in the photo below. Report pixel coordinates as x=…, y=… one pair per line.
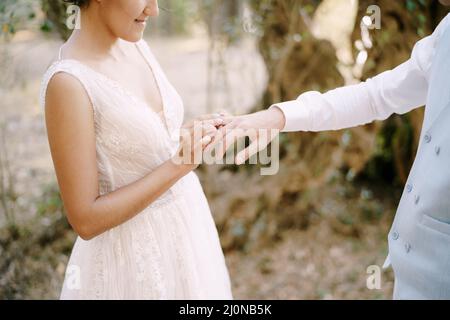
x=419, y=240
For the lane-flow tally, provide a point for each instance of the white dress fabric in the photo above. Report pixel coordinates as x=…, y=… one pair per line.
x=170, y=250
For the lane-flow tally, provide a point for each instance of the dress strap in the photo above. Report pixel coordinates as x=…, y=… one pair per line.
x=60, y=52
x=67, y=66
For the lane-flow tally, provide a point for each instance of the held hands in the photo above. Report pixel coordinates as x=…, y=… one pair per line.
x=260, y=127
x=195, y=136
x=219, y=132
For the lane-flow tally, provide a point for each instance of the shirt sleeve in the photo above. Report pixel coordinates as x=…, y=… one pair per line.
x=395, y=91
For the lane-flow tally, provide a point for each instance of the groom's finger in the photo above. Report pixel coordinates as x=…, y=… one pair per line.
x=232, y=135
x=208, y=116
x=243, y=155
x=260, y=141
x=228, y=119
x=257, y=145
x=215, y=118
x=224, y=113
x=249, y=151
x=210, y=123
x=216, y=122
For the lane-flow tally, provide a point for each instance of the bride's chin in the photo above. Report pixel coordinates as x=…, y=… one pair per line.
x=134, y=37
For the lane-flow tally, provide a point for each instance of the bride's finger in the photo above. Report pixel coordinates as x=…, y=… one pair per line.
x=215, y=119
x=204, y=142
x=218, y=137
x=216, y=122
x=224, y=113
x=198, y=149
x=201, y=129
x=211, y=123
x=228, y=119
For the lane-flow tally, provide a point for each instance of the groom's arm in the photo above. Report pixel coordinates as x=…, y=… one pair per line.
x=395, y=91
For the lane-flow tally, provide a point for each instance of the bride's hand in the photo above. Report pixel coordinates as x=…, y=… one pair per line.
x=194, y=138
x=215, y=119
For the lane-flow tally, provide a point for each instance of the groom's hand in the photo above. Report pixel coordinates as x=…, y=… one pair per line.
x=261, y=128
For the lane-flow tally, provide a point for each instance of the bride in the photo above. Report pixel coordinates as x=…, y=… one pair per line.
x=113, y=123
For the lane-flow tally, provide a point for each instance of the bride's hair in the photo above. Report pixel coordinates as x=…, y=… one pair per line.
x=80, y=3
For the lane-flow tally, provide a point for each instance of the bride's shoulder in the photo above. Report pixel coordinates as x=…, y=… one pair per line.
x=61, y=65
x=62, y=76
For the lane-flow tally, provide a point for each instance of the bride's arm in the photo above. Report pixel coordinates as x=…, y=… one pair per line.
x=71, y=135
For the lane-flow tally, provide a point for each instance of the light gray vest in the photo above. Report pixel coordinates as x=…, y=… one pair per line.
x=419, y=240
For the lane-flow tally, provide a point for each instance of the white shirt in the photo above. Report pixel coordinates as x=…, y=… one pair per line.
x=395, y=91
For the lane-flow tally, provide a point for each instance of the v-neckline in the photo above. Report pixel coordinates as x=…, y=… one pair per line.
x=158, y=87
x=162, y=118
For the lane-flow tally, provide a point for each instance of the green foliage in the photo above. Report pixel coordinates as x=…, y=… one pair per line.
x=417, y=7
x=15, y=15
x=23, y=14
x=175, y=17
x=55, y=12
x=34, y=252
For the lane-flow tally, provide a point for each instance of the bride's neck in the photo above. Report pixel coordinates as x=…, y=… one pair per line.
x=94, y=39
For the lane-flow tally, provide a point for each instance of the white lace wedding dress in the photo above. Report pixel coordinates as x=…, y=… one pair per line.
x=170, y=250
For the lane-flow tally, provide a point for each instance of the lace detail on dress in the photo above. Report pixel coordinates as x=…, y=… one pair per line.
x=99, y=274
x=120, y=143
x=148, y=260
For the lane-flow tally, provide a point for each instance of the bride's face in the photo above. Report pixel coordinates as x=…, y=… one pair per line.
x=126, y=19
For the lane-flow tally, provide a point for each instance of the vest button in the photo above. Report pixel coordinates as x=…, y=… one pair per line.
x=395, y=235
x=407, y=247
x=437, y=150
x=427, y=138
x=416, y=199
x=409, y=188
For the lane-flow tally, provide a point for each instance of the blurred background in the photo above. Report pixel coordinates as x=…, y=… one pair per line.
x=309, y=232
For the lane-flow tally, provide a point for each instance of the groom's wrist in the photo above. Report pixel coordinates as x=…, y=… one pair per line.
x=276, y=117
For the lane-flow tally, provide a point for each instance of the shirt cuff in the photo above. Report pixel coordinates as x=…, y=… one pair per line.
x=297, y=116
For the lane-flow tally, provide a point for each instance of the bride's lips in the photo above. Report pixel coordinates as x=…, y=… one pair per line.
x=141, y=22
